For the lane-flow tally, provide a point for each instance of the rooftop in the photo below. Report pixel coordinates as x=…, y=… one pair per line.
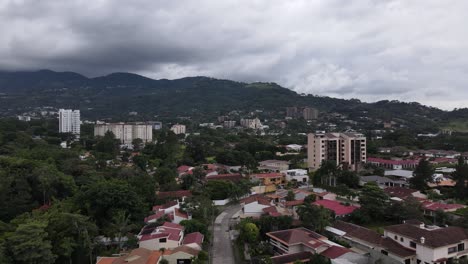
x=335, y=206
x=432, y=238
x=299, y=236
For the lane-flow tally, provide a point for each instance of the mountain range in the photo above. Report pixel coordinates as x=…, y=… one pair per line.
x=117, y=94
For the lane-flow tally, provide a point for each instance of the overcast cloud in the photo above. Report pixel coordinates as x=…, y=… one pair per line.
x=370, y=50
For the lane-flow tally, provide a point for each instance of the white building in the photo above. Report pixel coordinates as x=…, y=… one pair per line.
x=178, y=129
x=297, y=174
x=125, y=132
x=69, y=121
x=431, y=244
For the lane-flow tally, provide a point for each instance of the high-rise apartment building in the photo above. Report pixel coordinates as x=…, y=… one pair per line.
x=310, y=113
x=178, y=129
x=126, y=132
x=69, y=121
x=347, y=149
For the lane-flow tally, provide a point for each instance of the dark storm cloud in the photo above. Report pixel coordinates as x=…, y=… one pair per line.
x=369, y=49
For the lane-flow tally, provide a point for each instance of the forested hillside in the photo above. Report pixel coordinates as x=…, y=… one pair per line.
x=117, y=94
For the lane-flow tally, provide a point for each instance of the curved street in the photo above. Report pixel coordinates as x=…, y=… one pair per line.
x=222, y=251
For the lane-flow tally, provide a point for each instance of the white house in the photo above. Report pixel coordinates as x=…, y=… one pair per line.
x=297, y=174
x=431, y=244
x=253, y=206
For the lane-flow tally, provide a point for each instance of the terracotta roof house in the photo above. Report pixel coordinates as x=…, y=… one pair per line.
x=234, y=177
x=170, y=209
x=431, y=244
x=297, y=240
x=253, y=206
x=303, y=256
x=336, y=207
x=431, y=207
x=194, y=240
x=393, y=164
x=403, y=193
x=371, y=241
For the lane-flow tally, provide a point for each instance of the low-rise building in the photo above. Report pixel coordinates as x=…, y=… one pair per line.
x=338, y=209
x=382, y=182
x=393, y=164
x=169, y=236
x=274, y=165
x=269, y=178
x=253, y=206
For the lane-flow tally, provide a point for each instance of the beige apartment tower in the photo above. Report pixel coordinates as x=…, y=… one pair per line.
x=346, y=149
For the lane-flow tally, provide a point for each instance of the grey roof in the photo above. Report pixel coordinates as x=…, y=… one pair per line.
x=380, y=179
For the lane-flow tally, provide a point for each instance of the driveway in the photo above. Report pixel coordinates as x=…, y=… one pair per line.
x=222, y=245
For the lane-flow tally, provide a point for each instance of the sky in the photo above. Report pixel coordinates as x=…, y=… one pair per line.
x=407, y=50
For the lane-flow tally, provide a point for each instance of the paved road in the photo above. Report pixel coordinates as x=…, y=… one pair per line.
x=222, y=247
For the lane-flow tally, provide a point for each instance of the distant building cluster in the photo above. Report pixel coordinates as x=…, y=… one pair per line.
x=308, y=113
x=69, y=121
x=126, y=132
x=342, y=148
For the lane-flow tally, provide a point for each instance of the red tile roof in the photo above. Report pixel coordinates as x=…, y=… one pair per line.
x=183, y=168
x=225, y=177
x=399, y=192
x=154, y=216
x=256, y=198
x=300, y=235
x=106, y=260
x=179, y=213
x=195, y=237
x=334, y=252
x=336, y=207
x=290, y=258
x=191, y=251
x=434, y=206
x=433, y=238
x=364, y=234
x=173, y=225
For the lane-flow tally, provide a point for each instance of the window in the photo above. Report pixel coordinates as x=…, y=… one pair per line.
x=452, y=249
x=401, y=239
x=407, y=261
x=384, y=252
x=396, y=238
x=412, y=244
x=163, y=240
x=461, y=246
x=418, y=261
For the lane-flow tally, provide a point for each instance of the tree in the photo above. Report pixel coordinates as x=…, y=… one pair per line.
x=326, y=174
x=249, y=233
x=374, y=201
x=318, y=259
x=29, y=243
x=461, y=176
x=310, y=199
x=107, y=147
x=290, y=196
x=422, y=175
x=314, y=217
x=194, y=225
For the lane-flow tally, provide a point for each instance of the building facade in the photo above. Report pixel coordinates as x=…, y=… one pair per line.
x=126, y=132
x=310, y=113
x=178, y=129
x=251, y=123
x=69, y=121
x=346, y=149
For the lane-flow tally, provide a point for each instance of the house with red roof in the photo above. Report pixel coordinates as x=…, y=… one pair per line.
x=169, y=235
x=180, y=254
x=234, y=177
x=253, y=206
x=180, y=194
x=194, y=240
x=340, y=210
x=430, y=208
